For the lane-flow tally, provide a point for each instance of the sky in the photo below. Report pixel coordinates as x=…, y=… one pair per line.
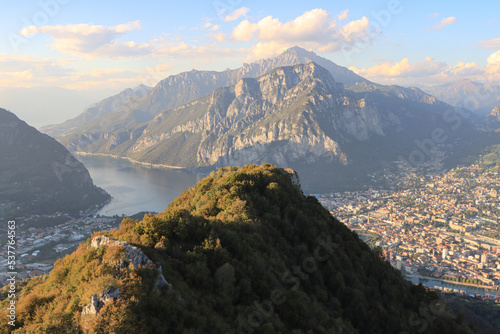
x=77, y=52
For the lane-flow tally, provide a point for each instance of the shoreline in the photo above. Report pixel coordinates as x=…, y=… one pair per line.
x=146, y=164
x=486, y=287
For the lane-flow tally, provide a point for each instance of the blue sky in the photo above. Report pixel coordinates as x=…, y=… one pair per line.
x=106, y=46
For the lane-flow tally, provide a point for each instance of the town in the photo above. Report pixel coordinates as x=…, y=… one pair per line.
x=429, y=224
x=39, y=242
x=443, y=227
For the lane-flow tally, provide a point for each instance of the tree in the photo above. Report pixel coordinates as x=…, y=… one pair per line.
x=224, y=280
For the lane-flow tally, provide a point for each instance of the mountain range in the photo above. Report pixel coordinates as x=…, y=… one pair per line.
x=317, y=117
x=181, y=88
x=477, y=97
x=38, y=175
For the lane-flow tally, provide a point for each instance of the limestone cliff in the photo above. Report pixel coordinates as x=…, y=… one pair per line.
x=292, y=113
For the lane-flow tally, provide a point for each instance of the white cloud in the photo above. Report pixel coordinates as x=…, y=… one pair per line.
x=490, y=44
x=236, y=14
x=162, y=68
x=313, y=29
x=91, y=40
x=245, y=30
x=462, y=69
x=210, y=26
x=343, y=15
x=208, y=52
x=219, y=36
x=28, y=71
x=494, y=58
x=267, y=49
x=403, y=68
x=312, y=25
x=493, y=66
x=430, y=71
x=115, y=78
x=354, y=30
x=444, y=22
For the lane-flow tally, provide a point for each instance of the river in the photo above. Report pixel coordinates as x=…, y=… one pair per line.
x=136, y=188
x=432, y=283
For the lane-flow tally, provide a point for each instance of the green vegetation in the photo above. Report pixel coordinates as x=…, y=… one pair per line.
x=483, y=314
x=45, y=221
x=472, y=152
x=463, y=280
x=245, y=251
x=490, y=160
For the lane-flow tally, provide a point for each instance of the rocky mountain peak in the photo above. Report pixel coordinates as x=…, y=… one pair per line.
x=496, y=111
x=493, y=117
x=302, y=56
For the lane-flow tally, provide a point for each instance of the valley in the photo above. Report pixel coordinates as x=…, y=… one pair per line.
x=254, y=167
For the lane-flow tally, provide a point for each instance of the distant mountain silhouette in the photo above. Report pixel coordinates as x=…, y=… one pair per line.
x=39, y=175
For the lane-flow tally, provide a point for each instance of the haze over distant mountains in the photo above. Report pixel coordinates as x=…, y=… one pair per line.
x=38, y=175
x=319, y=118
x=99, y=109
x=473, y=96
x=39, y=106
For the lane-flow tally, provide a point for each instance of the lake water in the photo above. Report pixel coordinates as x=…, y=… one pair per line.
x=136, y=188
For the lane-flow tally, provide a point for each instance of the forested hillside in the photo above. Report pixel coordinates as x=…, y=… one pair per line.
x=243, y=251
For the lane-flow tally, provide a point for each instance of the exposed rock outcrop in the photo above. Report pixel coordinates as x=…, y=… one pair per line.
x=94, y=307
x=107, y=296
x=110, y=293
x=133, y=256
x=293, y=176
x=495, y=113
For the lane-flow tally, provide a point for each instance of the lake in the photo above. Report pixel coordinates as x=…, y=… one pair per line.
x=134, y=187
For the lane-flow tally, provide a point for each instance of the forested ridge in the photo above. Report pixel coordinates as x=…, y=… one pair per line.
x=243, y=251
